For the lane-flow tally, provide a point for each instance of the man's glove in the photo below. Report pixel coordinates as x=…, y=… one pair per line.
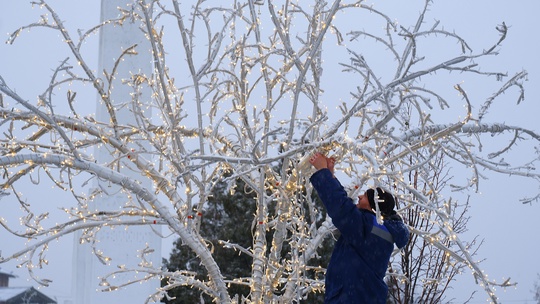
x=392, y=216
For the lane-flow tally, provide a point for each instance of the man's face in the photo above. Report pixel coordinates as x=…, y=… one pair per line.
x=363, y=202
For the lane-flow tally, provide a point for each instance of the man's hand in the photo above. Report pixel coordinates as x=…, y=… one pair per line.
x=330, y=162
x=320, y=161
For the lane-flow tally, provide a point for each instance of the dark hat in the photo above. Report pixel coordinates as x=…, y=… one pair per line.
x=386, y=200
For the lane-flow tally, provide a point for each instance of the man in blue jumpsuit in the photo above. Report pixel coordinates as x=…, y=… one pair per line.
x=361, y=255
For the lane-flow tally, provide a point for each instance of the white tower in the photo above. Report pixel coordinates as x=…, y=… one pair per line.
x=120, y=244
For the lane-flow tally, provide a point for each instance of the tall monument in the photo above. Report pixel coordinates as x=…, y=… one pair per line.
x=121, y=244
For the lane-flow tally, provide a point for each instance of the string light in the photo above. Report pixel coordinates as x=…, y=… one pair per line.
x=365, y=157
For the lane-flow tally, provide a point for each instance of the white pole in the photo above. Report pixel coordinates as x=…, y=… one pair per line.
x=121, y=245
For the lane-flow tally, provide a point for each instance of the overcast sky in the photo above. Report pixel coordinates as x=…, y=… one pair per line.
x=509, y=229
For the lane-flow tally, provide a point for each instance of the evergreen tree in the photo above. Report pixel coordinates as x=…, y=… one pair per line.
x=228, y=217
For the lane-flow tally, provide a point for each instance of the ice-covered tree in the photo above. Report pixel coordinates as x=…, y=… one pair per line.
x=429, y=269
x=244, y=86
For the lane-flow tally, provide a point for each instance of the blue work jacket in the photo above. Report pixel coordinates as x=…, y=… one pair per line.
x=360, y=258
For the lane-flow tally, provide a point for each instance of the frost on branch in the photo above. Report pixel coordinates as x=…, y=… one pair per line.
x=246, y=92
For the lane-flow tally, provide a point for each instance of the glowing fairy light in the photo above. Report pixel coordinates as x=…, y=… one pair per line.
x=241, y=128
